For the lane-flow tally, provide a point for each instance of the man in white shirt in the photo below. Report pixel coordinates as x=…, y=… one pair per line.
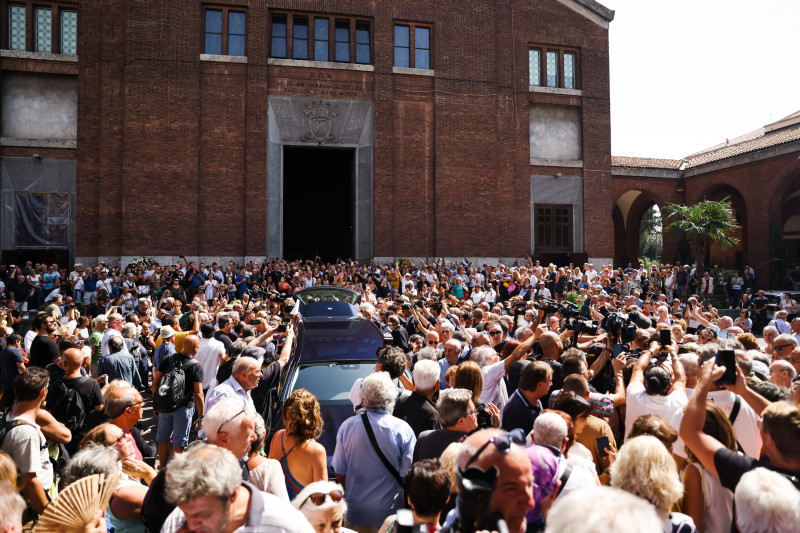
x=494, y=370
x=226, y=505
x=655, y=390
x=746, y=421
x=210, y=355
x=115, y=323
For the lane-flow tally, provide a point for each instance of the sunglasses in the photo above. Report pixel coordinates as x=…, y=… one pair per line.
x=501, y=442
x=780, y=346
x=493, y=333
x=318, y=498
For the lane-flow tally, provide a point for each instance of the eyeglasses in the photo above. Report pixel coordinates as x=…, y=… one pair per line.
x=501, y=442
x=493, y=333
x=708, y=338
x=318, y=498
x=219, y=430
x=475, y=412
x=135, y=404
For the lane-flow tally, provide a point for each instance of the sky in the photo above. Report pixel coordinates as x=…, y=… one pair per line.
x=687, y=74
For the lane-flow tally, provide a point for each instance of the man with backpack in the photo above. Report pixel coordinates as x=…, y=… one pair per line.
x=21, y=438
x=177, y=382
x=71, y=398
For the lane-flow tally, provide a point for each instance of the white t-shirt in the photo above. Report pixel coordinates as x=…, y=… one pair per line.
x=27, y=446
x=640, y=403
x=745, y=427
x=208, y=357
x=494, y=389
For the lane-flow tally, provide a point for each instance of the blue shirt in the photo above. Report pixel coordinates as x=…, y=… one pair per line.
x=118, y=365
x=164, y=349
x=372, y=492
x=444, y=366
x=520, y=413
x=240, y=289
x=90, y=283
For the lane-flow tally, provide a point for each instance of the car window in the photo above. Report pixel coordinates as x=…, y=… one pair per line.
x=331, y=382
x=328, y=294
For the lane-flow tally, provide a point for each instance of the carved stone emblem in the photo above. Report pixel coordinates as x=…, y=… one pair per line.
x=319, y=119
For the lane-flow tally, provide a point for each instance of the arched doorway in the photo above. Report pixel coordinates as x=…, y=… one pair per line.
x=637, y=227
x=790, y=224
x=735, y=256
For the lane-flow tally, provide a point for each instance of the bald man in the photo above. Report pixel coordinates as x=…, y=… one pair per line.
x=513, y=494
x=552, y=347
x=125, y=407
x=88, y=389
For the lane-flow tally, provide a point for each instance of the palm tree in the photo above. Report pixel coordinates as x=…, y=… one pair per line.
x=703, y=223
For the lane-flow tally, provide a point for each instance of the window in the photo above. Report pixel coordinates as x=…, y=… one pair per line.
x=236, y=24
x=341, y=37
x=362, y=42
x=554, y=228
x=17, y=33
x=300, y=38
x=559, y=67
x=224, y=32
x=278, y=36
x=69, y=32
x=412, y=46
x=422, y=48
x=44, y=30
x=320, y=39
x=213, y=32
x=402, y=45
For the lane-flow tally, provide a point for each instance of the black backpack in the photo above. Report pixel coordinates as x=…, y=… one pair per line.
x=66, y=404
x=171, y=392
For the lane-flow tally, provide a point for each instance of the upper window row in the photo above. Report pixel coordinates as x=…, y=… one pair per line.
x=316, y=38
x=38, y=28
x=320, y=39
x=552, y=67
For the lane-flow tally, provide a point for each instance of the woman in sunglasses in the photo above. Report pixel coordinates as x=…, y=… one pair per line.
x=323, y=505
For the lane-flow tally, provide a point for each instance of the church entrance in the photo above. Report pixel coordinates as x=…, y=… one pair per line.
x=318, y=203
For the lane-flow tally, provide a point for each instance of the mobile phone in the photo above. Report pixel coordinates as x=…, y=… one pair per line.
x=666, y=337
x=281, y=327
x=727, y=358
x=617, y=349
x=602, y=444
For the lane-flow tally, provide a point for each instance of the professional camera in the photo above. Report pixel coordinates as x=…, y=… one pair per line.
x=618, y=325
x=547, y=305
x=579, y=327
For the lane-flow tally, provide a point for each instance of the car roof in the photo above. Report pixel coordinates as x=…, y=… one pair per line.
x=326, y=339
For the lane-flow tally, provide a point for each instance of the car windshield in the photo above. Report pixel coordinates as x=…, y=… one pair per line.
x=331, y=382
x=328, y=294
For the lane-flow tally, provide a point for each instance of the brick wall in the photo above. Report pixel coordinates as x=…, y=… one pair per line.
x=172, y=150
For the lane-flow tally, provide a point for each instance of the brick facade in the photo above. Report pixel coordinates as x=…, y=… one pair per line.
x=172, y=152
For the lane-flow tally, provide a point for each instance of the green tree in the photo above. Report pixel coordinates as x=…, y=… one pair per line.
x=650, y=242
x=701, y=224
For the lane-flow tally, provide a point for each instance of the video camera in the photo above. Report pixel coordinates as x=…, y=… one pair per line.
x=622, y=325
x=550, y=306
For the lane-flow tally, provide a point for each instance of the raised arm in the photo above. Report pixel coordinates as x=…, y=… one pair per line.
x=702, y=445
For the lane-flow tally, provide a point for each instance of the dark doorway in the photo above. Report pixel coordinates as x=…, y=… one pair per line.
x=317, y=203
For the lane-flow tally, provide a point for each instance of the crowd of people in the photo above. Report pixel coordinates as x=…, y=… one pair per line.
x=529, y=397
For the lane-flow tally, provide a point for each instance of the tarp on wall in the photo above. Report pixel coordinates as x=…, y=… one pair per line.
x=41, y=220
